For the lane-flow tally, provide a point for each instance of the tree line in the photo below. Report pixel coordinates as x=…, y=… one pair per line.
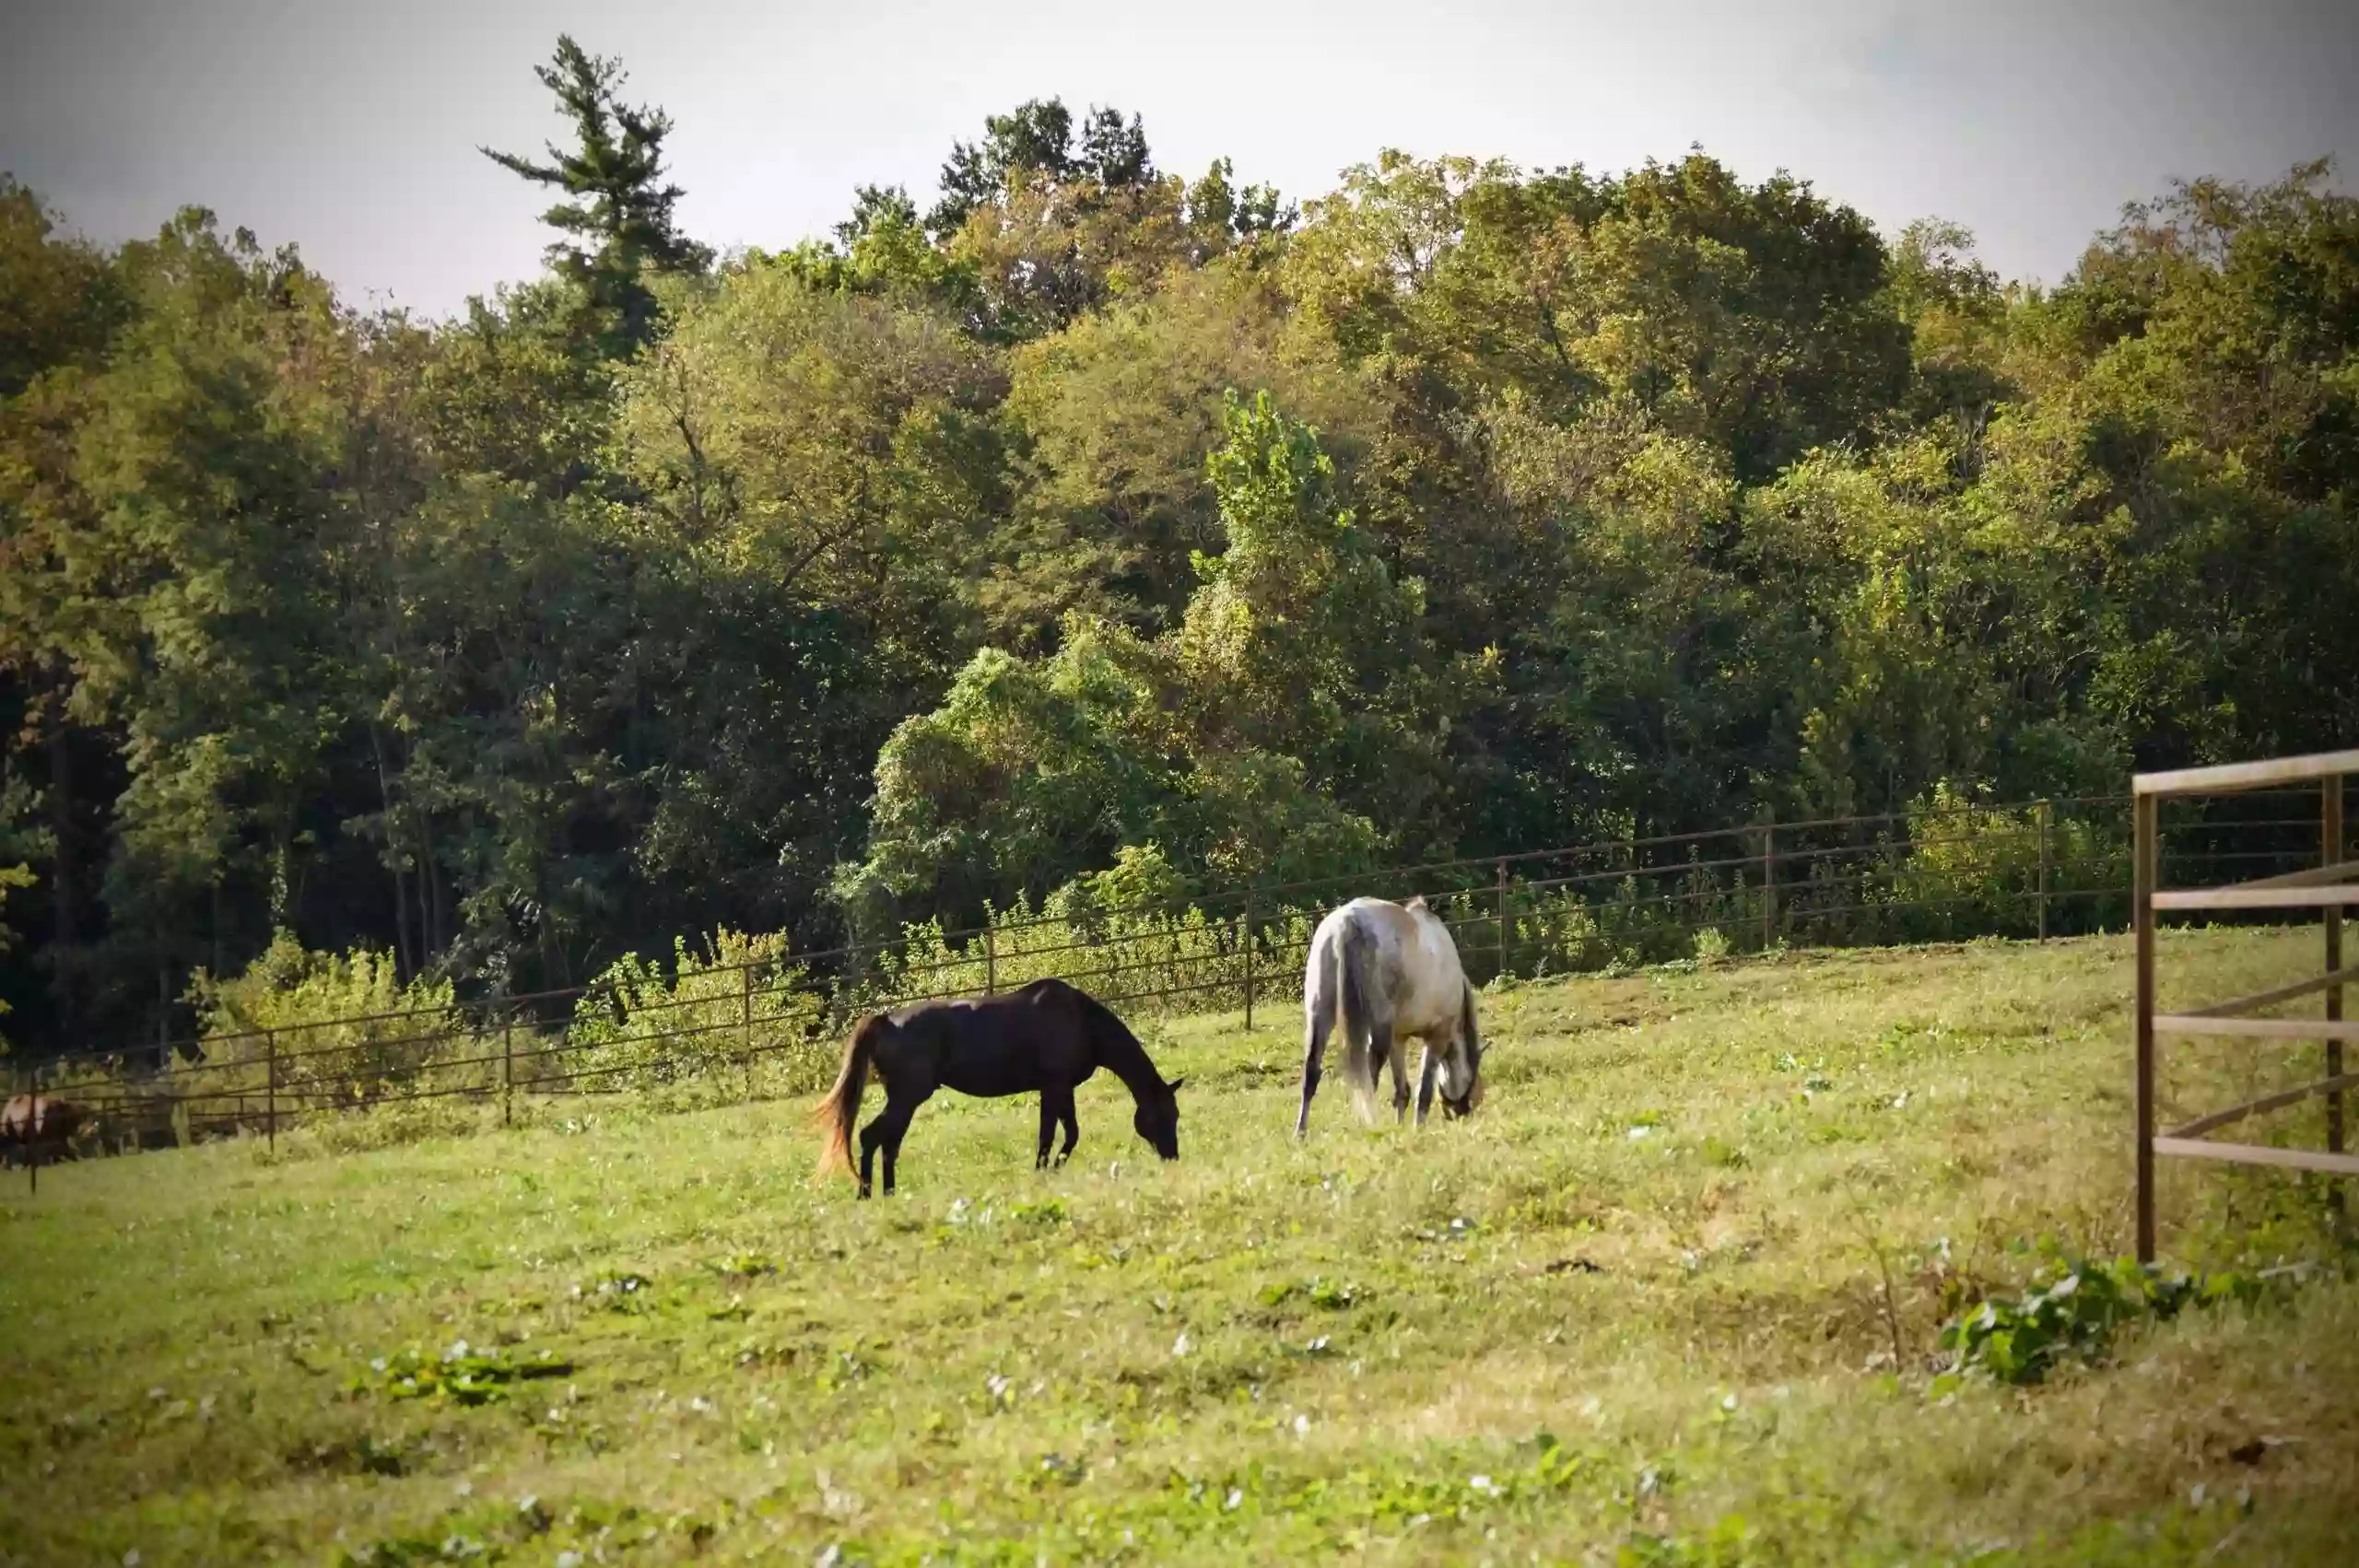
x=1095, y=534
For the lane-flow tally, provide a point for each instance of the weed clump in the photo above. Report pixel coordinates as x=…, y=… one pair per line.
x=745, y=1265
x=2072, y=1309
x=619, y=1291
x=462, y=1375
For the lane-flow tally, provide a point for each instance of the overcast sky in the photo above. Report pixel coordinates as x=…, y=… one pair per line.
x=352, y=130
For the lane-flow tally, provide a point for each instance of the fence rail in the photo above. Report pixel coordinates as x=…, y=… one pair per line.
x=771, y=1025
x=2327, y=883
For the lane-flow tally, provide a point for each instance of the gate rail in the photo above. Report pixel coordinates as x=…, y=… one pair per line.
x=2329, y=886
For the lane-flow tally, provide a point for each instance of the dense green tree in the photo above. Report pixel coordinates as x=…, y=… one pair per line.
x=1299, y=642
x=1223, y=215
x=1042, y=231
x=1098, y=535
x=521, y=386
x=1118, y=415
x=59, y=299
x=1286, y=716
x=883, y=249
x=837, y=443
x=179, y=552
x=61, y=304
x=1036, y=142
x=1753, y=317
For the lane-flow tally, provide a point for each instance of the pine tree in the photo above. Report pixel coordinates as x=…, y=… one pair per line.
x=1037, y=139
x=616, y=206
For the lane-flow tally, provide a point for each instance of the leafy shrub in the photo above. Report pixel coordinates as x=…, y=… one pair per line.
x=1980, y=866
x=738, y=1006
x=1557, y=933
x=1973, y=869
x=1142, y=879
x=2072, y=1310
x=1157, y=961
x=343, y=1026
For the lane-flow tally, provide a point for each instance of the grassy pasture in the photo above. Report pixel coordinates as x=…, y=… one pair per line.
x=1644, y=1308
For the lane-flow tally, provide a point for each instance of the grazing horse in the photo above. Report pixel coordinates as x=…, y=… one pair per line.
x=38, y=1128
x=1381, y=972
x=1045, y=1037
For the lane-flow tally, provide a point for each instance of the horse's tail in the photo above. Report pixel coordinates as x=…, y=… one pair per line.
x=840, y=1109
x=1354, y=948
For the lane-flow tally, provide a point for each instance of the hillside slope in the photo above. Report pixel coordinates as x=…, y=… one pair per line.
x=1695, y=1217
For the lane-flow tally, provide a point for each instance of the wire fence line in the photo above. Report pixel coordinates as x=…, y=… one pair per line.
x=747, y=1018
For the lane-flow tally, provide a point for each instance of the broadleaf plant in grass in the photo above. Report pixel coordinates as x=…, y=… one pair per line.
x=2070, y=1310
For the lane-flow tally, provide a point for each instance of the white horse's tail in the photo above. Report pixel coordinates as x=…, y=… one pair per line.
x=1353, y=951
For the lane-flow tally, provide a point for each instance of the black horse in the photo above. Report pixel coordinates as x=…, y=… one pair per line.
x=1045, y=1037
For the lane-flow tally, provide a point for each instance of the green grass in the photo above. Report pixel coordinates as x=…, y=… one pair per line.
x=1642, y=1309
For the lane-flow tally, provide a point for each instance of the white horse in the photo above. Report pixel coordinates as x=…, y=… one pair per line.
x=1381, y=972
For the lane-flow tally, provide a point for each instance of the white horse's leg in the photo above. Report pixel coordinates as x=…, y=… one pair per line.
x=1428, y=1067
x=1318, y=1018
x=1395, y=1051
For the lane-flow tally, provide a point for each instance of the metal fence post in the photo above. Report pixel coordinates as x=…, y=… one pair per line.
x=1249, y=961
x=2046, y=823
x=508, y=1067
x=1894, y=923
x=270, y=1089
x=1504, y=934
x=745, y=1022
x=32, y=1139
x=1768, y=883
x=990, y=961
x=2330, y=853
x=2142, y=916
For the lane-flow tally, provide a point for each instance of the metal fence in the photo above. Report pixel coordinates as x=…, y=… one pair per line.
x=773, y=1025
x=2325, y=880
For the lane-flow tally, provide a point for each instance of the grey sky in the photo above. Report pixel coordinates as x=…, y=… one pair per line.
x=353, y=131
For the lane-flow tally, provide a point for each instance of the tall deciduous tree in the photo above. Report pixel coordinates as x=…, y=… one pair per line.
x=1283, y=727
